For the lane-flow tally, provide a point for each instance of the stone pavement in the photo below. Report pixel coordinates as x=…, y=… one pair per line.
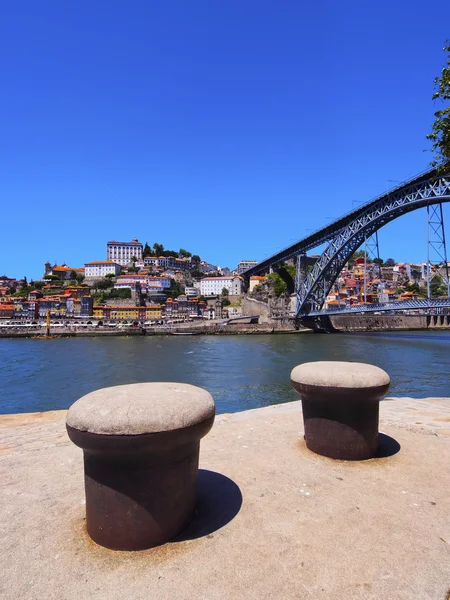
x=273, y=521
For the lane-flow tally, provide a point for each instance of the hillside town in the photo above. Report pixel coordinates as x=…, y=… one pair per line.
x=151, y=285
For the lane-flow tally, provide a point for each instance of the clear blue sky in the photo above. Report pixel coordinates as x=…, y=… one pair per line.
x=227, y=128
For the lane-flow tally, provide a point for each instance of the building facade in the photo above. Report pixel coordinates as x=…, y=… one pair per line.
x=213, y=286
x=246, y=264
x=123, y=253
x=101, y=268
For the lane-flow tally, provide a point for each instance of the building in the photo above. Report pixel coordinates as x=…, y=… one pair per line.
x=101, y=268
x=254, y=281
x=213, y=286
x=123, y=253
x=191, y=292
x=141, y=313
x=62, y=271
x=246, y=264
x=168, y=262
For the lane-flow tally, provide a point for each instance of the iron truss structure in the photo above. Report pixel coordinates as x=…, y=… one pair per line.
x=346, y=234
x=434, y=306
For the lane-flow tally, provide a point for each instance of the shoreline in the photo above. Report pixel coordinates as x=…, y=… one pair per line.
x=181, y=331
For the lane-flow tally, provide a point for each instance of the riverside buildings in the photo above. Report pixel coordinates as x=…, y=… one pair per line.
x=101, y=268
x=124, y=253
x=213, y=286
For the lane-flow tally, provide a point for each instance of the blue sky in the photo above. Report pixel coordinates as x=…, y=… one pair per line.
x=227, y=128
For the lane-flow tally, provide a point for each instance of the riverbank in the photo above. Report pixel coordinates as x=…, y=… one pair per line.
x=273, y=520
x=191, y=329
x=330, y=323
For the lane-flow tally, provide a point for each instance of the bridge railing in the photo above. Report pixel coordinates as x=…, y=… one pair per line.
x=437, y=305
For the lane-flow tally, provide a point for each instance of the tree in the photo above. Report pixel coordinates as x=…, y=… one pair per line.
x=378, y=261
x=226, y=302
x=184, y=253
x=147, y=250
x=73, y=274
x=158, y=248
x=80, y=278
x=196, y=259
x=440, y=131
x=225, y=292
x=51, y=278
x=104, y=284
x=174, y=290
x=390, y=262
x=412, y=287
x=279, y=286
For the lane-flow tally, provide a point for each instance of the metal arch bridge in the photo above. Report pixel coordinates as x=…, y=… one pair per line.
x=346, y=234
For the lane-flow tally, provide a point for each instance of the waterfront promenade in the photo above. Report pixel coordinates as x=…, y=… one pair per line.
x=274, y=520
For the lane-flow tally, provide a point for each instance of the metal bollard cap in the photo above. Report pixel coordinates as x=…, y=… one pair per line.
x=141, y=408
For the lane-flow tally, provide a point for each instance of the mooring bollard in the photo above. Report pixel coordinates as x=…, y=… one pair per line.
x=141, y=446
x=340, y=402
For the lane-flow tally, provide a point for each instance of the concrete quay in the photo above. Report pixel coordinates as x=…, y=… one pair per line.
x=274, y=520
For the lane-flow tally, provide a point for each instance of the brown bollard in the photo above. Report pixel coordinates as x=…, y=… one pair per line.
x=141, y=447
x=340, y=402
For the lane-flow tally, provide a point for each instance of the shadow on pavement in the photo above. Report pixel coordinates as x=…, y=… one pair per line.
x=387, y=446
x=219, y=500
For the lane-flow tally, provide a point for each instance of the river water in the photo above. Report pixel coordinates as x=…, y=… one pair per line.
x=241, y=372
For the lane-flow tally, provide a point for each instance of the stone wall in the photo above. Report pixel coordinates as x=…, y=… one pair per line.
x=388, y=322
x=251, y=307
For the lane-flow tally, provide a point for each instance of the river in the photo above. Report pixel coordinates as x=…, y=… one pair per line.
x=241, y=372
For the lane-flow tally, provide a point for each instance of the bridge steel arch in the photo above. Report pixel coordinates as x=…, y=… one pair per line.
x=314, y=287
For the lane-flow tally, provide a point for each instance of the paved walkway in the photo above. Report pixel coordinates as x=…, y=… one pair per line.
x=274, y=520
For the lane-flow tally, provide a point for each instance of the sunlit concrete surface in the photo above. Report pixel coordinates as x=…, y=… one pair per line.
x=274, y=520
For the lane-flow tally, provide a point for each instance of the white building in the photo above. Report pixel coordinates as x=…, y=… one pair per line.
x=100, y=268
x=213, y=286
x=123, y=252
x=191, y=292
x=246, y=264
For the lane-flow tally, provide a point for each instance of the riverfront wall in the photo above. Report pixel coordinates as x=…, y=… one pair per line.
x=371, y=322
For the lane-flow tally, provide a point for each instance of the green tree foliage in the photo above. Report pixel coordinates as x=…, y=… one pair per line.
x=279, y=286
x=104, y=284
x=175, y=289
x=52, y=278
x=390, y=262
x=73, y=274
x=184, y=253
x=440, y=132
x=159, y=249
x=147, y=250
x=378, y=261
x=226, y=302
x=196, y=259
x=122, y=294
x=412, y=287
x=225, y=291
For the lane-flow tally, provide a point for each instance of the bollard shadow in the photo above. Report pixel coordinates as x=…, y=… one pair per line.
x=387, y=446
x=219, y=500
